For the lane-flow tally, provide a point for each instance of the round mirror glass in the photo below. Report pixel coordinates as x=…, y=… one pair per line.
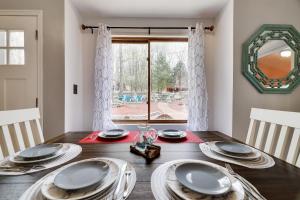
x=276, y=59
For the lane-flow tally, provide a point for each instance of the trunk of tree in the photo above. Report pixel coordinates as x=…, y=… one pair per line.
x=121, y=70
x=180, y=78
x=135, y=76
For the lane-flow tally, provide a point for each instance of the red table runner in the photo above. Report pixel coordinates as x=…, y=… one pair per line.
x=131, y=138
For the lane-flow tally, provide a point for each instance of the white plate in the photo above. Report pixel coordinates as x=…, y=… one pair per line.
x=162, y=135
x=102, y=135
x=254, y=155
x=60, y=152
x=51, y=192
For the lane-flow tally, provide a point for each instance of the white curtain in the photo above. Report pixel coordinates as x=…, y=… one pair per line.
x=102, y=119
x=197, y=98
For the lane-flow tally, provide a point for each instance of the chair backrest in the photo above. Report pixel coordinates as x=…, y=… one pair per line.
x=277, y=133
x=18, y=122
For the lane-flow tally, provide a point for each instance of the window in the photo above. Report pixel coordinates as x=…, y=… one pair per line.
x=154, y=89
x=130, y=85
x=12, y=47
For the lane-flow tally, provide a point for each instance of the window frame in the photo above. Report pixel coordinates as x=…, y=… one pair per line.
x=148, y=40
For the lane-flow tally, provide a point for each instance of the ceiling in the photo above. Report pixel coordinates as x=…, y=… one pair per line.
x=149, y=8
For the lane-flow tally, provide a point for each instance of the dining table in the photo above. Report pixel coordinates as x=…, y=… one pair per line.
x=280, y=182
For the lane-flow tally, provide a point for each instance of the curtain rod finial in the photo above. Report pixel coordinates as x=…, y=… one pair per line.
x=211, y=28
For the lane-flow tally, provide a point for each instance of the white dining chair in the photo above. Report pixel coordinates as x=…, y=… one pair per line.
x=20, y=124
x=276, y=133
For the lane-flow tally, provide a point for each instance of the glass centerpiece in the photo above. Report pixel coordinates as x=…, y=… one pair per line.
x=147, y=136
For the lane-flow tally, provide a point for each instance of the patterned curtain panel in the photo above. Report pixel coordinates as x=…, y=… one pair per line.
x=197, y=102
x=102, y=119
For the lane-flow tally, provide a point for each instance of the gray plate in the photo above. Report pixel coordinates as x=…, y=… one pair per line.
x=172, y=132
x=81, y=176
x=113, y=132
x=39, y=152
x=203, y=179
x=102, y=135
x=251, y=156
x=234, y=147
x=60, y=152
x=180, y=136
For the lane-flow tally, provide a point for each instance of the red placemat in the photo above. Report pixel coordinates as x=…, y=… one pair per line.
x=130, y=138
x=93, y=139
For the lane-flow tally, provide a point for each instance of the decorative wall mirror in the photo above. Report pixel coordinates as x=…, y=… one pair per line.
x=271, y=58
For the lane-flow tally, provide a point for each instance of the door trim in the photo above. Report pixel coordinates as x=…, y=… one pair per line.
x=39, y=15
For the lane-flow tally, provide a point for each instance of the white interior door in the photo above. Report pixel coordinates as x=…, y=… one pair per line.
x=18, y=62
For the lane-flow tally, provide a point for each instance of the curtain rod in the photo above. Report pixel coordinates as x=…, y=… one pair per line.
x=84, y=27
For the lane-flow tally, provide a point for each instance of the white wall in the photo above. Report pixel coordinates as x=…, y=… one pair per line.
x=88, y=53
x=231, y=96
x=53, y=59
x=73, y=69
x=248, y=17
x=222, y=72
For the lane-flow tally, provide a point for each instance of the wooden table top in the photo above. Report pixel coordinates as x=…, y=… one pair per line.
x=281, y=182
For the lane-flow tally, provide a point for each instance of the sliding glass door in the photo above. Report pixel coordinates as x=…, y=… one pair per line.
x=130, y=81
x=150, y=69
x=168, y=81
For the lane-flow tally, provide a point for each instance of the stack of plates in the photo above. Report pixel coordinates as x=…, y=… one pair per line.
x=38, y=154
x=113, y=134
x=91, y=179
x=195, y=180
x=82, y=180
x=171, y=134
x=235, y=150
